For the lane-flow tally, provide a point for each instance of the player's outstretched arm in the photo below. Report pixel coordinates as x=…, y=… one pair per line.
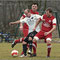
x=21, y=19
x=16, y=22
x=21, y=25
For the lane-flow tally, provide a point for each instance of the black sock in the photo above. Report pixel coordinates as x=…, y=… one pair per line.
x=25, y=49
x=30, y=45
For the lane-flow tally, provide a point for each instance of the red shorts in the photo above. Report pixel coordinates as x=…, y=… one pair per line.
x=40, y=35
x=25, y=30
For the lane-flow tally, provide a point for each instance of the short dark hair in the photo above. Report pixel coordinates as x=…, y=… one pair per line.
x=49, y=9
x=28, y=10
x=35, y=4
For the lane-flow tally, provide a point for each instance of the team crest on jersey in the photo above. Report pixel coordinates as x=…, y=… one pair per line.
x=49, y=20
x=31, y=17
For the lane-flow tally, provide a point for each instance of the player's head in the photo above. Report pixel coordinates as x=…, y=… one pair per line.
x=49, y=12
x=27, y=12
x=34, y=7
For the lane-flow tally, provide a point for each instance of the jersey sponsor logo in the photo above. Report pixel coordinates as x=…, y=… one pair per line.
x=49, y=20
x=32, y=17
x=46, y=24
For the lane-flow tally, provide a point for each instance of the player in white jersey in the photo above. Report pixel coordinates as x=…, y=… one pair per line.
x=30, y=19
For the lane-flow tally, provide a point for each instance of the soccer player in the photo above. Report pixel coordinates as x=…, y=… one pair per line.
x=30, y=19
x=24, y=28
x=48, y=26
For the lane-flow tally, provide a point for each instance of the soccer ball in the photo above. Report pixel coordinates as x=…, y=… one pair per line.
x=14, y=53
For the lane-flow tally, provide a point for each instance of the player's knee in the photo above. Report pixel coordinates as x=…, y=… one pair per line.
x=24, y=42
x=48, y=40
x=30, y=38
x=35, y=39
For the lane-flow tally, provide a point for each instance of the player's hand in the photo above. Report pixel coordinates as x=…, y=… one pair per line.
x=46, y=33
x=21, y=28
x=34, y=29
x=11, y=23
x=43, y=20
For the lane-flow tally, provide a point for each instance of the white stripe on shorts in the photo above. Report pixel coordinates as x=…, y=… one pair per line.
x=35, y=37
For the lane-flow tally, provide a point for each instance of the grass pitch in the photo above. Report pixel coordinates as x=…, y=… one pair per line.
x=5, y=52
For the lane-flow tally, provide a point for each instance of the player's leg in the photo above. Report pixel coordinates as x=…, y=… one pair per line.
x=27, y=49
x=34, y=45
x=34, y=48
x=30, y=45
x=48, y=46
x=45, y=40
x=48, y=41
x=39, y=35
x=25, y=46
x=25, y=33
x=17, y=41
x=32, y=34
x=35, y=41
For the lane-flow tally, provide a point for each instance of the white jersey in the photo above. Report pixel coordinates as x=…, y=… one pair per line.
x=31, y=21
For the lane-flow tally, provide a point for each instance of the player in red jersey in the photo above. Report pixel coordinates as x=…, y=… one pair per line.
x=48, y=26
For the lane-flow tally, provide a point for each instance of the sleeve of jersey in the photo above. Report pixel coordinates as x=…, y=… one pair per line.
x=23, y=20
x=38, y=16
x=41, y=17
x=24, y=15
x=54, y=21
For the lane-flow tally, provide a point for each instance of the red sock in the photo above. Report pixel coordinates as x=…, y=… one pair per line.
x=49, y=50
x=34, y=47
x=45, y=40
x=17, y=41
x=22, y=53
x=22, y=39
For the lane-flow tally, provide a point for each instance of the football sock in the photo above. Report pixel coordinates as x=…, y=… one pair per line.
x=19, y=40
x=34, y=47
x=25, y=49
x=48, y=50
x=30, y=45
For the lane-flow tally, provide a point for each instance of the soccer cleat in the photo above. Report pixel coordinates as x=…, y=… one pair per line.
x=13, y=44
x=48, y=56
x=22, y=55
x=33, y=55
x=29, y=52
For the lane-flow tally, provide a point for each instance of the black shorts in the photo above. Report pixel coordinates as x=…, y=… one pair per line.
x=32, y=34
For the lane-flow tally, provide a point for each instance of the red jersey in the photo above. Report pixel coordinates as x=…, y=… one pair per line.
x=33, y=12
x=48, y=24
